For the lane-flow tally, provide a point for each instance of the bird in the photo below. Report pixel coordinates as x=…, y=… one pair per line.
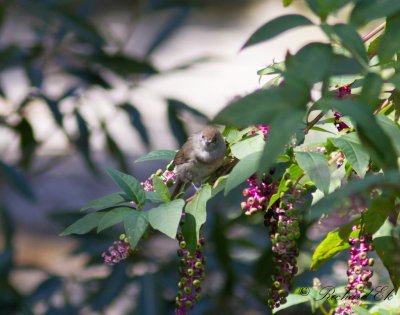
x=201, y=155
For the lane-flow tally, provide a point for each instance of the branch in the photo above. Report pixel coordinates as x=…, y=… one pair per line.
x=375, y=31
x=313, y=122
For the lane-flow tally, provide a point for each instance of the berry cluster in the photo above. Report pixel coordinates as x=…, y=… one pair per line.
x=120, y=250
x=263, y=129
x=284, y=223
x=258, y=194
x=343, y=91
x=192, y=273
x=167, y=176
x=358, y=273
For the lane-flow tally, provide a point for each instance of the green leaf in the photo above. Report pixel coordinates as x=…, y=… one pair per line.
x=353, y=151
x=342, y=65
x=371, y=90
x=135, y=224
x=123, y=65
x=387, y=248
x=113, y=217
x=304, y=63
x=391, y=130
x=377, y=213
x=152, y=197
x=136, y=121
x=352, y=41
x=249, y=145
x=85, y=224
x=130, y=185
x=292, y=299
x=282, y=128
x=360, y=310
x=378, y=144
x=157, y=155
x=330, y=202
x=366, y=11
x=195, y=217
x=160, y=188
x=334, y=242
x=316, y=166
x=275, y=68
x=242, y=171
x=106, y=201
x=166, y=217
x=324, y=7
x=276, y=27
x=286, y=3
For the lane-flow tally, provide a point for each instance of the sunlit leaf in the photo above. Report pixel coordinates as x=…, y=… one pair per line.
x=113, y=217
x=85, y=224
x=166, y=217
x=157, y=155
x=106, y=201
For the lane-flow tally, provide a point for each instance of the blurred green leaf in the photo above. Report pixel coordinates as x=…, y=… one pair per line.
x=110, y=287
x=161, y=189
x=354, y=187
x=195, y=217
x=135, y=224
x=286, y=3
x=170, y=28
x=315, y=165
x=89, y=76
x=129, y=185
x=264, y=105
x=276, y=27
x=106, y=201
x=342, y=65
x=372, y=86
x=275, y=68
x=242, y=171
x=282, y=129
x=113, y=217
x=353, y=151
x=123, y=65
x=115, y=151
x=390, y=41
x=7, y=226
x=157, y=155
x=45, y=290
x=351, y=40
x=368, y=10
x=391, y=130
x=16, y=180
x=82, y=141
x=53, y=106
x=387, y=247
x=176, y=124
x=166, y=217
x=27, y=142
x=80, y=26
x=249, y=145
x=85, y=224
x=325, y=7
x=11, y=55
x=360, y=310
x=304, y=61
x=136, y=122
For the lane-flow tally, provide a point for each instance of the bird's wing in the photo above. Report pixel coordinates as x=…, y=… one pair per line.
x=183, y=154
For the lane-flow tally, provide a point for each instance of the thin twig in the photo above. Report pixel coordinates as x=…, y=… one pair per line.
x=337, y=156
x=313, y=122
x=383, y=105
x=373, y=32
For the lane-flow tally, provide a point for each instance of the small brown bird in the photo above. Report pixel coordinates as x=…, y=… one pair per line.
x=201, y=155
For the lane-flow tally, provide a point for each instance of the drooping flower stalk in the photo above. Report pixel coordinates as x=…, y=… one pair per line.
x=192, y=273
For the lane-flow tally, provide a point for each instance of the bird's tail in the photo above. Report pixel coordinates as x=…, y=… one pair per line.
x=177, y=188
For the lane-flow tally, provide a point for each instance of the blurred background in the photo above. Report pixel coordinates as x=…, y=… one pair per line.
x=92, y=83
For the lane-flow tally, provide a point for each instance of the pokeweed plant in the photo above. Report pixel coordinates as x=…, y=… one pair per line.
x=346, y=91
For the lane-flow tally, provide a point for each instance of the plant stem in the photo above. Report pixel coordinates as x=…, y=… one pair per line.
x=323, y=310
x=332, y=160
x=383, y=105
x=313, y=122
x=373, y=32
